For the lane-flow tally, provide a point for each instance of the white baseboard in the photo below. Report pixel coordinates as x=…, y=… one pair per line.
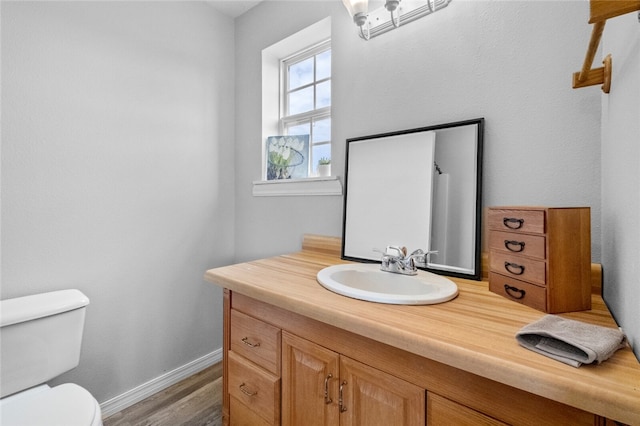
x=147, y=389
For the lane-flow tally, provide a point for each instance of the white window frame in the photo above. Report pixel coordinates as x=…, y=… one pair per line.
x=272, y=105
x=307, y=116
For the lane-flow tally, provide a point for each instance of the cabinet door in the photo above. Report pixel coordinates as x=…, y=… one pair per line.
x=371, y=397
x=309, y=383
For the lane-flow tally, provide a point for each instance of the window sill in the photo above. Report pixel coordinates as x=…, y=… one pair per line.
x=297, y=187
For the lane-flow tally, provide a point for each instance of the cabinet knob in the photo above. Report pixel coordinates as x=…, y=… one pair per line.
x=343, y=408
x=327, y=399
x=244, y=390
x=514, y=268
x=246, y=341
x=514, y=246
x=514, y=292
x=513, y=223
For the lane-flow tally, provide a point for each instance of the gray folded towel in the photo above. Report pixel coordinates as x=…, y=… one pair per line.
x=572, y=342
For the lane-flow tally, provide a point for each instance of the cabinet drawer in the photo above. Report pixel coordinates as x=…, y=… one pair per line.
x=520, y=244
x=515, y=220
x=518, y=267
x=255, y=388
x=256, y=341
x=443, y=412
x=243, y=416
x=518, y=291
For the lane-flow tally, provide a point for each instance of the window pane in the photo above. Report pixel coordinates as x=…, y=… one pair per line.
x=322, y=130
x=323, y=65
x=323, y=94
x=307, y=96
x=301, y=73
x=298, y=129
x=301, y=101
x=318, y=152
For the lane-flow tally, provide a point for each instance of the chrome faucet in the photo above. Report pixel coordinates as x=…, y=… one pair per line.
x=400, y=263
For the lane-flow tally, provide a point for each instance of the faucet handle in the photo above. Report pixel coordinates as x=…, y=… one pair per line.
x=400, y=252
x=421, y=257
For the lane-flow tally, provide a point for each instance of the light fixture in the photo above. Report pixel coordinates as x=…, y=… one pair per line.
x=392, y=15
x=358, y=10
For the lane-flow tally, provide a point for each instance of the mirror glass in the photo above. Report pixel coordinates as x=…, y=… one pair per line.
x=419, y=189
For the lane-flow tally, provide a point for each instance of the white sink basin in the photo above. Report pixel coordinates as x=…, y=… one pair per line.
x=365, y=281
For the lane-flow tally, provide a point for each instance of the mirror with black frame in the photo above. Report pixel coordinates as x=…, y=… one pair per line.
x=420, y=189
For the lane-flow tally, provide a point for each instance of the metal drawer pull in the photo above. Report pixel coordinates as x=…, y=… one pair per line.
x=510, y=266
x=509, y=290
x=509, y=220
x=327, y=400
x=340, y=399
x=244, y=390
x=248, y=343
x=509, y=243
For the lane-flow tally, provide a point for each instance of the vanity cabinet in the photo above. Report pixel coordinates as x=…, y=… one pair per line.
x=284, y=368
x=541, y=257
x=284, y=333
x=321, y=387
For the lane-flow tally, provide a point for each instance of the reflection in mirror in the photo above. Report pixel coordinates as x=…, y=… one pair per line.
x=418, y=188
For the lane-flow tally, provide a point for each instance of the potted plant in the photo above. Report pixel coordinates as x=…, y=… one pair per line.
x=324, y=166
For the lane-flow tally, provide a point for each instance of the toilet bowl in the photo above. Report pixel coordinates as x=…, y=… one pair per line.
x=41, y=337
x=63, y=405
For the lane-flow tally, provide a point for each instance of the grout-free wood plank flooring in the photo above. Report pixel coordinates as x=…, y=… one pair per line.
x=195, y=401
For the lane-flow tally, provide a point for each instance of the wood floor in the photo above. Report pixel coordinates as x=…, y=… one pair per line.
x=195, y=401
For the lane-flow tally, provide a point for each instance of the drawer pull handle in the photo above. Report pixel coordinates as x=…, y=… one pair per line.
x=514, y=292
x=513, y=223
x=343, y=408
x=511, y=266
x=248, y=343
x=512, y=245
x=327, y=399
x=243, y=389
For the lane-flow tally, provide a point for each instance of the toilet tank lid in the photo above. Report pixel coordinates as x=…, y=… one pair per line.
x=27, y=308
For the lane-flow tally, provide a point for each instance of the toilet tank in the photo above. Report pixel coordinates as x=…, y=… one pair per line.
x=40, y=338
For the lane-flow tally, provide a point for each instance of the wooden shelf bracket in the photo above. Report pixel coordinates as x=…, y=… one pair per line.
x=601, y=10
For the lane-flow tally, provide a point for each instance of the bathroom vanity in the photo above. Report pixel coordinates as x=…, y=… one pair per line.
x=296, y=353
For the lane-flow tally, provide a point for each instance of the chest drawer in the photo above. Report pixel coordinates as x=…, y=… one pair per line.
x=521, y=244
x=255, y=388
x=256, y=340
x=518, y=291
x=518, y=267
x=517, y=220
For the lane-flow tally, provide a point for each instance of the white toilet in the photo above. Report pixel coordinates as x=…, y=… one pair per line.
x=40, y=338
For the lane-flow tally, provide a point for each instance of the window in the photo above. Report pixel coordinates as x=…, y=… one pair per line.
x=295, y=66
x=306, y=100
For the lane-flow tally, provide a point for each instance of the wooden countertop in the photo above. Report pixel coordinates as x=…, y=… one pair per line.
x=475, y=332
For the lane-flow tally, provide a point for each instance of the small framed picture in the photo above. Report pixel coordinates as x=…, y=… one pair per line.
x=287, y=157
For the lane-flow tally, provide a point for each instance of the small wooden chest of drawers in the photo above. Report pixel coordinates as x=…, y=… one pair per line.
x=541, y=257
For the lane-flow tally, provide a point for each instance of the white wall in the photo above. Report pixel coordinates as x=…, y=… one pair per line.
x=117, y=175
x=270, y=226
x=508, y=61
x=621, y=174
